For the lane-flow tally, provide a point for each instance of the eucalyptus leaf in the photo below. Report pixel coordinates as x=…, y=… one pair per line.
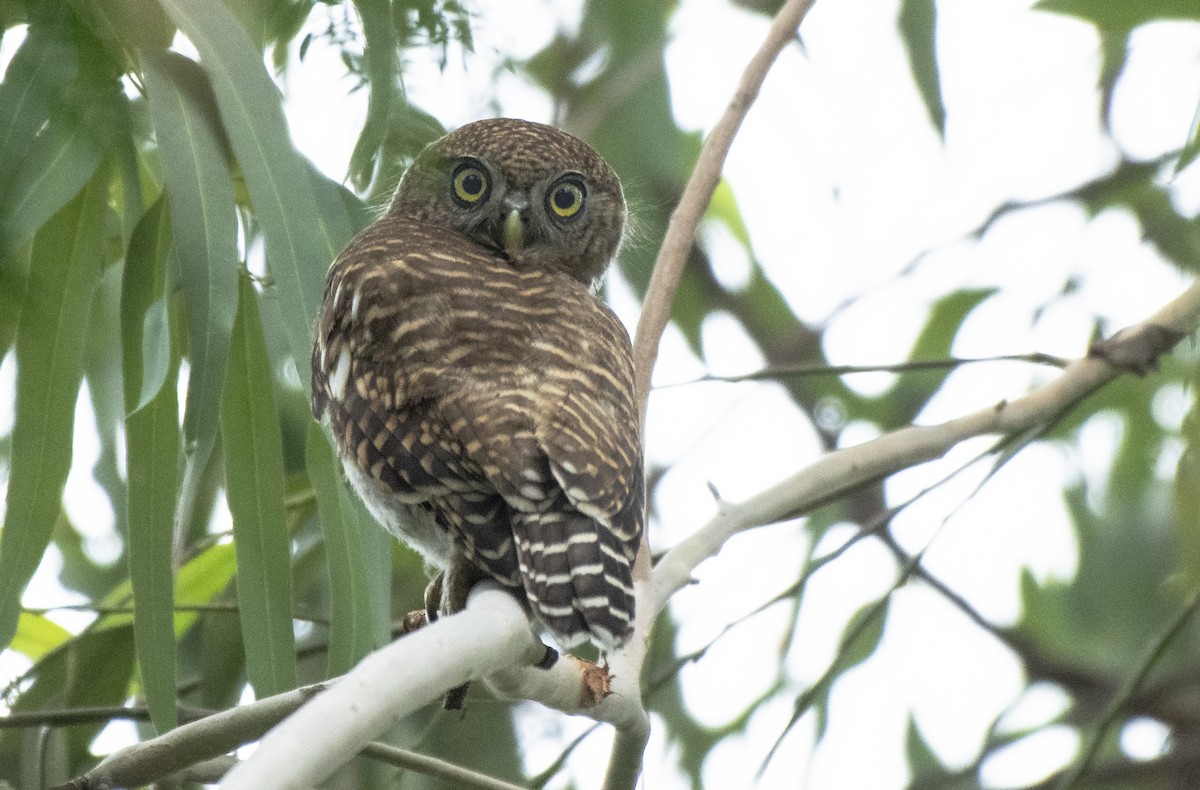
x=254, y=488
x=299, y=246
x=50, y=344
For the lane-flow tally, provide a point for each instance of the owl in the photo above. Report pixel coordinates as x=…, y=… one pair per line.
x=480, y=394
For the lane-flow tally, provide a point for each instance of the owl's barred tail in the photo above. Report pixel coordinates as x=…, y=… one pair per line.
x=576, y=577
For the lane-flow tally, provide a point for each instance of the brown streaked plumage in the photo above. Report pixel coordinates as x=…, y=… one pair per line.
x=480, y=395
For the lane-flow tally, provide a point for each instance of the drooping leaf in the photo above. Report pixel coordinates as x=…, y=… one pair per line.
x=254, y=486
x=38, y=75
x=299, y=246
x=92, y=670
x=918, y=31
x=51, y=337
x=921, y=759
x=1191, y=148
x=1119, y=15
x=204, y=234
x=1187, y=493
x=152, y=460
x=914, y=388
x=382, y=70
x=352, y=549
x=55, y=167
x=37, y=635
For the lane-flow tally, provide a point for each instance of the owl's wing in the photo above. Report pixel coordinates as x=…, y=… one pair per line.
x=591, y=436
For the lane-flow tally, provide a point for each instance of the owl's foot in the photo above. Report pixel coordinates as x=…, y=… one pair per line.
x=447, y=595
x=417, y=618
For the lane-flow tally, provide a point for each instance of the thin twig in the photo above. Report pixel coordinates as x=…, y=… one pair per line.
x=625, y=761
x=1125, y=693
x=438, y=769
x=790, y=371
x=842, y=471
x=681, y=230
x=211, y=736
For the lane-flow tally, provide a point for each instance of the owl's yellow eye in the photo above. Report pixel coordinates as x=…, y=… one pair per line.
x=565, y=199
x=471, y=184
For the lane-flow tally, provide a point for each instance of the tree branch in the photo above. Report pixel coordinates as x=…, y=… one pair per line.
x=491, y=634
x=193, y=743
x=844, y=470
x=633, y=725
x=681, y=230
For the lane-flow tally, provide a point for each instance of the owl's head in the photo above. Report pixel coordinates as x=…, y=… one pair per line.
x=539, y=195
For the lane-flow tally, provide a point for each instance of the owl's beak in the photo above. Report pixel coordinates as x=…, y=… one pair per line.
x=513, y=232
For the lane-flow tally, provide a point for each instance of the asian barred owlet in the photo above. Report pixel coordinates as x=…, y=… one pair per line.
x=480, y=394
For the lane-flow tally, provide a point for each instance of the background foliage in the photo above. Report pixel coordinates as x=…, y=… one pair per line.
x=161, y=239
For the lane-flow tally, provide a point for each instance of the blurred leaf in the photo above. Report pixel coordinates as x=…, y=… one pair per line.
x=205, y=576
x=204, y=233
x=39, y=74
x=920, y=758
x=37, y=635
x=1191, y=148
x=1119, y=14
x=1103, y=619
x=254, y=486
x=299, y=246
x=155, y=351
x=352, y=548
x=382, y=73
x=918, y=31
x=1187, y=491
x=55, y=167
x=128, y=25
x=913, y=389
x=862, y=635
x=12, y=291
x=1114, y=20
x=51, y=337
x=724, y=207
x=152, y=459
x=92, y=670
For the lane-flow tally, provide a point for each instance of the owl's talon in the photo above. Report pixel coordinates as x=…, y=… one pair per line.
x=549, y=658
x=418, y=618
x=456, y=697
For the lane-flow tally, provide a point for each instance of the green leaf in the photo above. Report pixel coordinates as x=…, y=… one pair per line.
x=918, y=29
x=152, y=459
x=156, y=352
x=724, y=207
x=352, y=549
x=382, y=61
x=203, y=578
x=862, y=634
x=1191, y=148
x=254, y=485
x=914, y=388
x=921, y=759
x=51, y=339
x=299, y=246
x=1187, y=491
x=204, y=228
x=152, y=441
x=40, y=72
x=1113, y=15
x=54, y=168
x=37, y=635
